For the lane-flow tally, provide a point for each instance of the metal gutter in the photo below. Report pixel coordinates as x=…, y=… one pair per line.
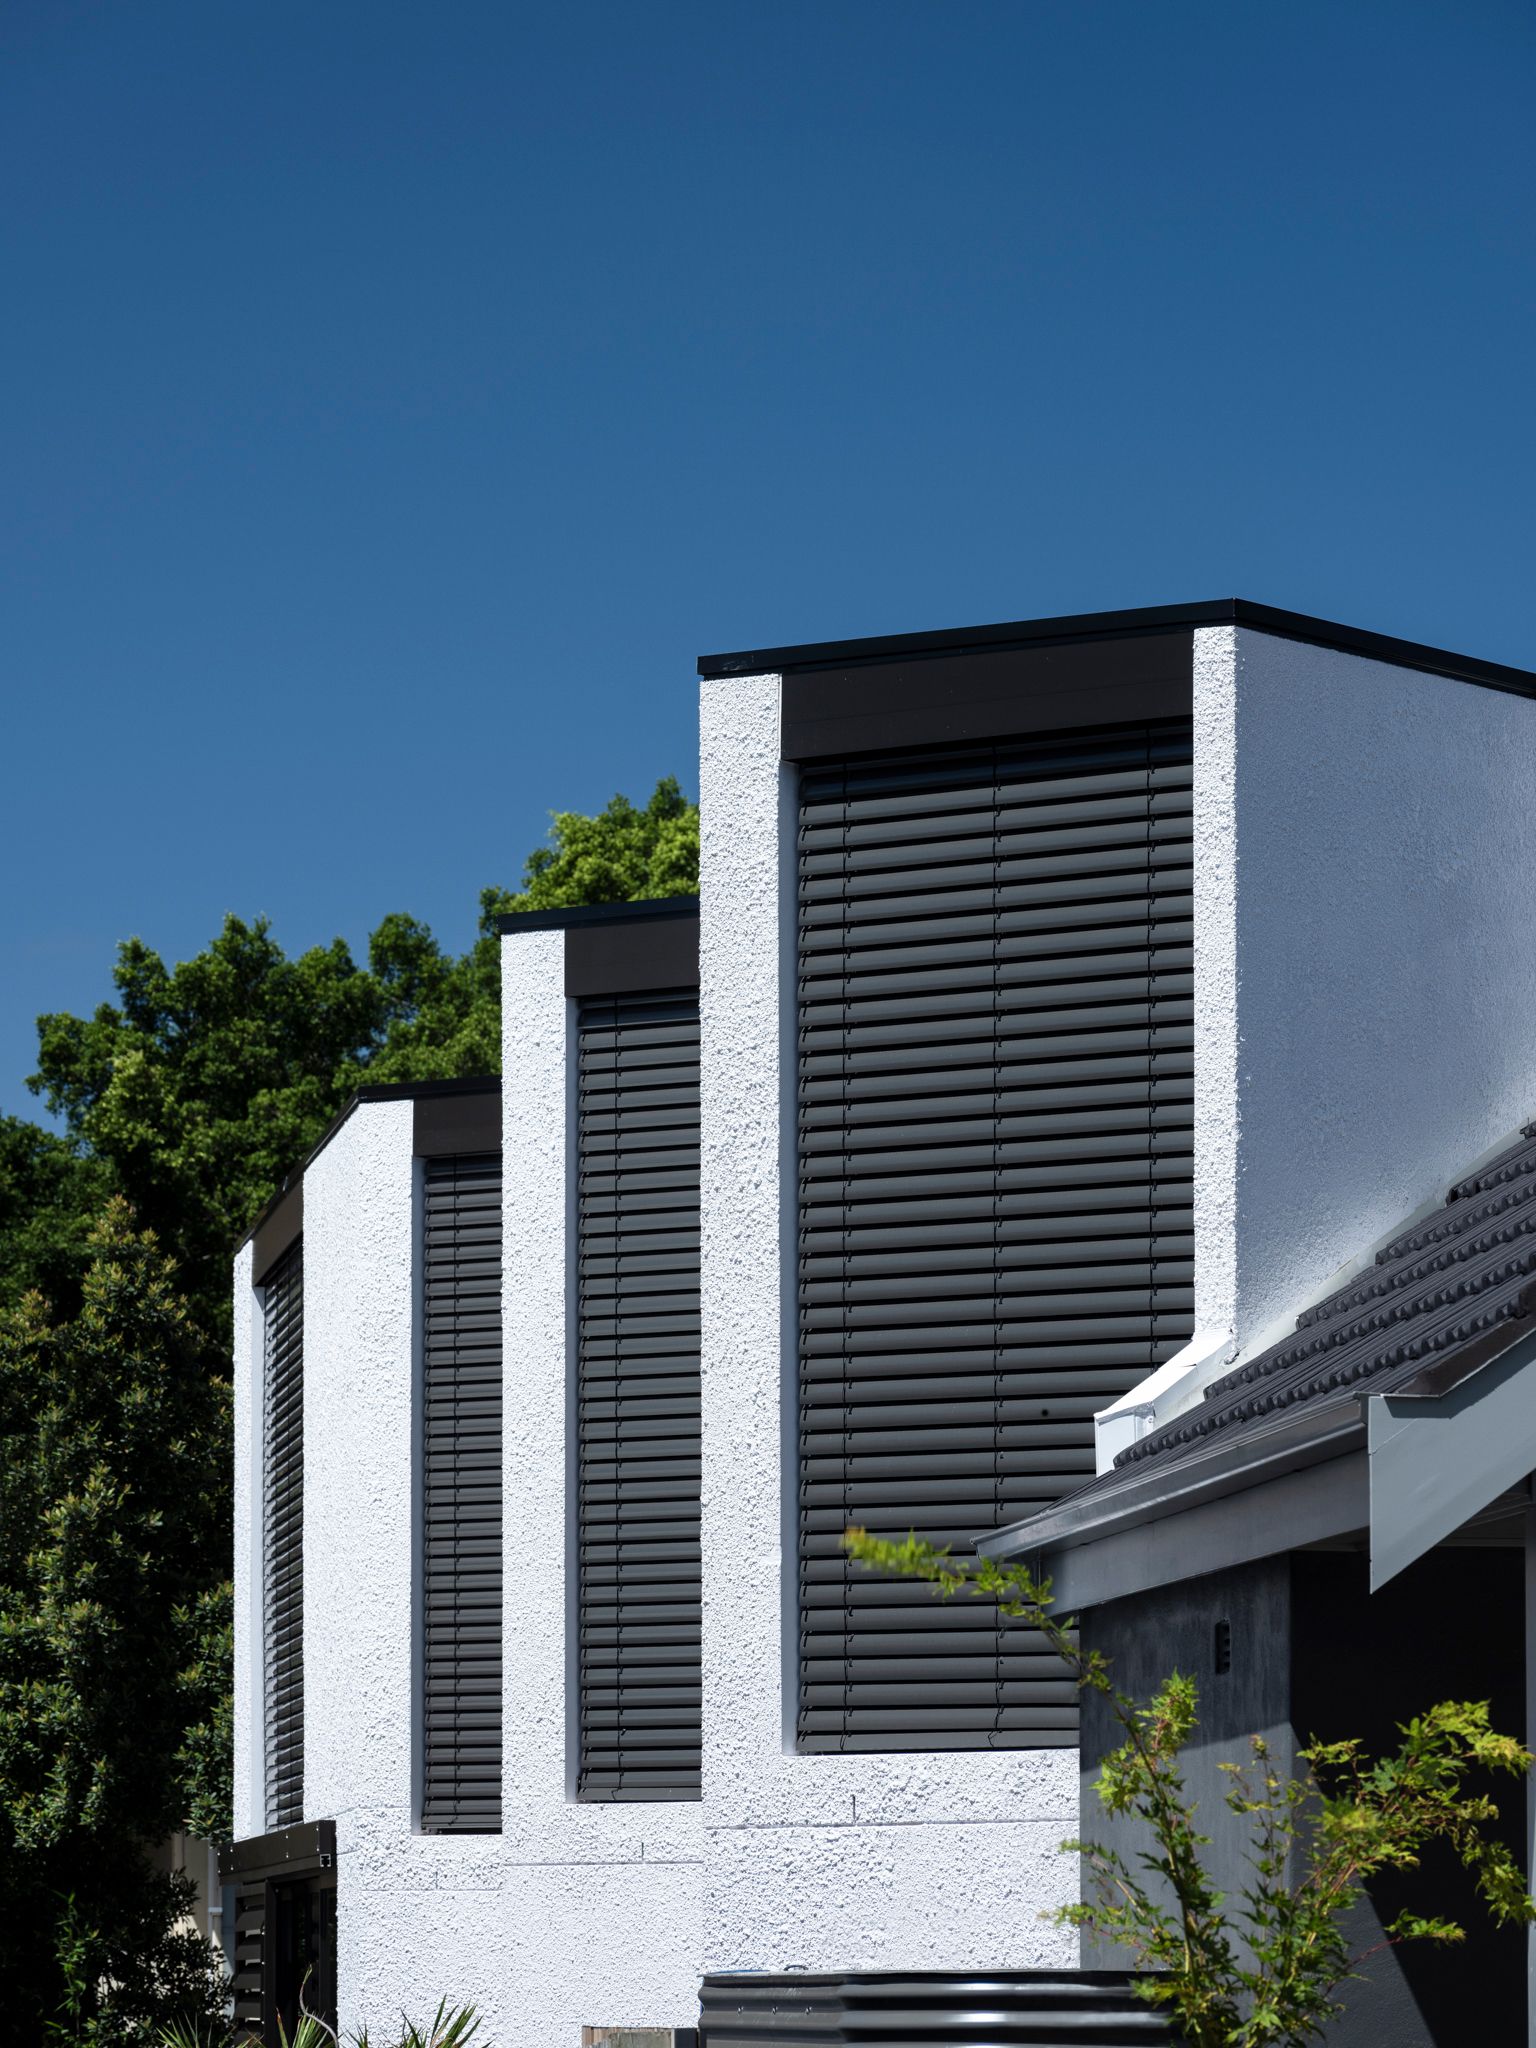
x=1151, y=1493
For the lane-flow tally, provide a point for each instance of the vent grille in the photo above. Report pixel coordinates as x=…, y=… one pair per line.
x=638, y=1396
x=461, y=1474
x=995, y=1127
x=931, y=2009
x=283, y=1528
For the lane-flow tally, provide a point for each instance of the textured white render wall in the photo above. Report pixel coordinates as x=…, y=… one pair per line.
x=619, y=1928
x=569, y=1916
x=812, y=1862
x=249, y=1817
x=1215, y=950
x=1370, y=981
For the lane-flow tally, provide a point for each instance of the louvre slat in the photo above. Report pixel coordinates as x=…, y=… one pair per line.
x=283, y=1533
x=995, y=1109
x=638, y=1396
x=461, y=1495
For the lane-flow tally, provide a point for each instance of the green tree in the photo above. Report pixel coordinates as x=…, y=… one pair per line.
x=50, y=1189
x=446, y=1018
x=1268, y=1968
x=114, y=1503
x=204, y=1083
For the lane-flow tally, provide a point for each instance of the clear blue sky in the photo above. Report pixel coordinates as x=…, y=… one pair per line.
x=396, y=398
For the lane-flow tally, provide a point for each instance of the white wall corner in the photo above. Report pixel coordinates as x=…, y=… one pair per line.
x=360, y=1505
x=1386, y=957
x=535, y=1098
x=249, y=1791
x=1217, y=1043
x=741, y=783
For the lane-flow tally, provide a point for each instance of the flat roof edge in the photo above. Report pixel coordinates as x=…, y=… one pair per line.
x=1105, y=625
x=577, y=915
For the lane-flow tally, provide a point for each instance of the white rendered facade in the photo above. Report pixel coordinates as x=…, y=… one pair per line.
x=1364, y=855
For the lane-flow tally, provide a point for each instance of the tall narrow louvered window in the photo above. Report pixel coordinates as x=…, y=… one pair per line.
x=638, y=1396
x=283, y=1535
x=995, y=1085
x=461, y=1476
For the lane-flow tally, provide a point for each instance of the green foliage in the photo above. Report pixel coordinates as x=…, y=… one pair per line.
x=114, y=1508
x=1266, y=1969
x=623, y=855
x=446, y=1014
x=204, y=1083
x=119, y=1982
x=50, y=1190
x=207, y=1081
x=454, y=2028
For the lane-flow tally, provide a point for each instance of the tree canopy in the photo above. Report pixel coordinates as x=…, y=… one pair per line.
x=114, y=1510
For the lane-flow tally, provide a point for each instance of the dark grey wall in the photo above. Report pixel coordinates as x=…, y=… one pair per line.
x=1450, y=1627
x=1174, y=1629
x=1315, y=1653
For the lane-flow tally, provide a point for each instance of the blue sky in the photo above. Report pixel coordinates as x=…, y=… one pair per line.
x=395, y=399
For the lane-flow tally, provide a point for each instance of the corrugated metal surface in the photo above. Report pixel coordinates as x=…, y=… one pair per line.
x=283, y=1532
x=931, y=2009
x=461, y=1480
x=638, y=1395
x=995, y=1114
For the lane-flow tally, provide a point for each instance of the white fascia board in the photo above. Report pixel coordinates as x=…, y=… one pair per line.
x=1436, y=1463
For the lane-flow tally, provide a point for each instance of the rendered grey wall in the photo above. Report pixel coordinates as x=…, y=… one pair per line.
x=1315, y=1654
x=1365, y=954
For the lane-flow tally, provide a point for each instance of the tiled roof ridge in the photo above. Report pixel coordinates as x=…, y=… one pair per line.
x=1477, y=1253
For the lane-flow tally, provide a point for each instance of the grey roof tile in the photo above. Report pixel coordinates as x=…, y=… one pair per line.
x=1437, y=1287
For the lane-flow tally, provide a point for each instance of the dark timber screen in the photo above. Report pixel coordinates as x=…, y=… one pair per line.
x=638, y=1395
x=283, y=1533
x=461, y=1473
x=995, y=1086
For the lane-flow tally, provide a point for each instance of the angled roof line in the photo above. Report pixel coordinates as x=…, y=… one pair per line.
x=843, y=654
x=574, y=916
x=1449, y=1293
x=371, y=1091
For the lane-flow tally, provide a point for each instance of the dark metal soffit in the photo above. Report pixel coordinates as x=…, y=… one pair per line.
x=842, y=654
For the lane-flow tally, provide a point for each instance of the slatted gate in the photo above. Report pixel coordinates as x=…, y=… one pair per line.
x=638, y=1395
x=461, y=1478
x=995, y=1129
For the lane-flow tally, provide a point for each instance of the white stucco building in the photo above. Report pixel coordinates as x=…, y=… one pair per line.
x=1038, y=1043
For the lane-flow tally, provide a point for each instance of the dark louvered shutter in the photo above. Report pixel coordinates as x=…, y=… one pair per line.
x=461, y=1467
x=995, y=1089
x=283, y=1524
x=638, y=1396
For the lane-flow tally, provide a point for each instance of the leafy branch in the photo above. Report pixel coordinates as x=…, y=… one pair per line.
x=1266, y=1968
